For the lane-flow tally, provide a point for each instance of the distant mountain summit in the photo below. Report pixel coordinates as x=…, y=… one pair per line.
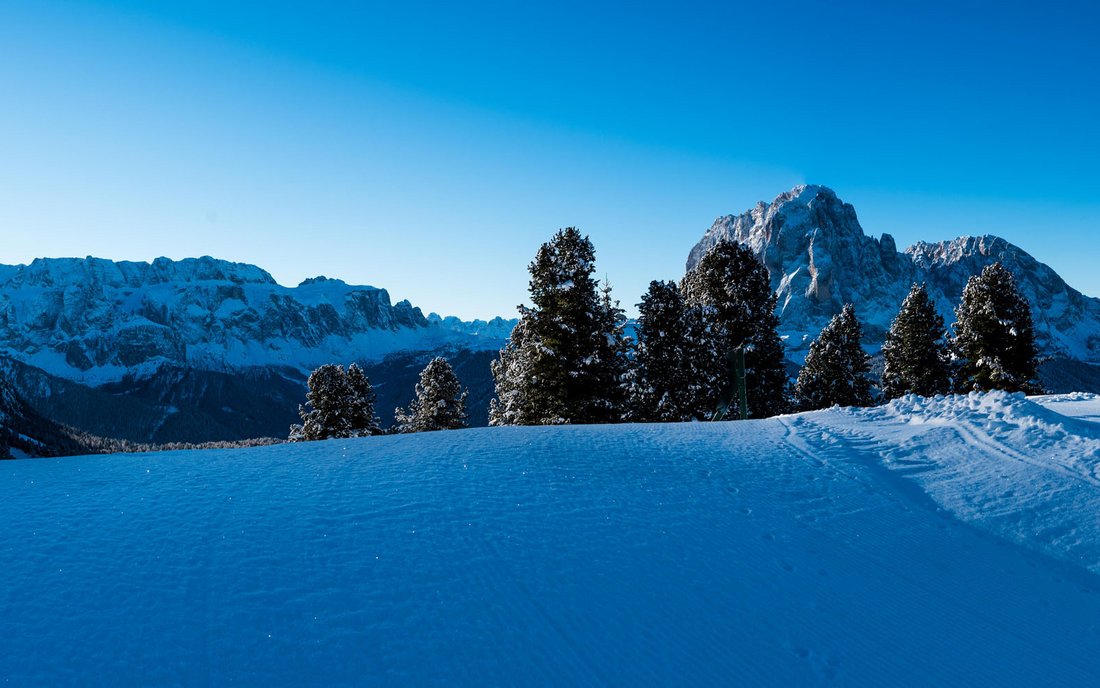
x=819, y=258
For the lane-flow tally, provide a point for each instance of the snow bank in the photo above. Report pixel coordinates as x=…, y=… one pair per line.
x=947, y=542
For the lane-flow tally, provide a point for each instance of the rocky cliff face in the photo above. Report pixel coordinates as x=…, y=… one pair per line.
x=819, y=258
x=97, y=321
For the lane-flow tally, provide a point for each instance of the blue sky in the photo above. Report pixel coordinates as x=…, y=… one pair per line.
x=429, y=149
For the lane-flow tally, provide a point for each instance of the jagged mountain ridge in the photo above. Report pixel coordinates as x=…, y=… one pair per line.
x=819, y=258
x=97, y=321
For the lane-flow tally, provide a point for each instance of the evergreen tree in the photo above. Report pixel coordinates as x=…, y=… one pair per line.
x=736, y=307
x=513, y=376
x=836, y=367
x=440, y=402
x=360, y=402
x=326, y=416
x=340, y=404
x=994, y=336
x=611, y=359
x=566, y=364
x=915, y=351
x=662, y=384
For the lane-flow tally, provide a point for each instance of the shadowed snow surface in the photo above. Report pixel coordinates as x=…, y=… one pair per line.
x=930, y=542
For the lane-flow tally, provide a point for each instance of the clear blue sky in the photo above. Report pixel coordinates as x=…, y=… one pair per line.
x=429, y=149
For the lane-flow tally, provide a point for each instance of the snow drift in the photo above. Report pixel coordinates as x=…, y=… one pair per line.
x=949, y=541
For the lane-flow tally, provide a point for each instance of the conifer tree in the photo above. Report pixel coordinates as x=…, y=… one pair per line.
x=326, y=416
x=340, y=404
x=440, y=402
x=360, y=402
x=836, y=367
x=915, y=352
x=994, y=336
x=611, y=359
x=662, y=384
x=513, y=376
x=565, y=364
x=731, y=290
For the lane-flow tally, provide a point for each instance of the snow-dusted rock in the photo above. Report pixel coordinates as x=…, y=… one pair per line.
x=97, y=320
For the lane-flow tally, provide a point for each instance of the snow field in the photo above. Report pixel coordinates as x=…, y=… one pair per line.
x=941, y=542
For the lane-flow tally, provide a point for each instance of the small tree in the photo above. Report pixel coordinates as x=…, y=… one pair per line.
x=915, y=352
x=994, y=336
x=732, y=292
x=513, y=376
x=360, y=402
x=340, y=404
x=836, y=367
x=440, y=402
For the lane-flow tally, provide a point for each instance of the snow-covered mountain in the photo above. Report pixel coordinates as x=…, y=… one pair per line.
x=819, y=258
x=202, y=349
x=97, y=321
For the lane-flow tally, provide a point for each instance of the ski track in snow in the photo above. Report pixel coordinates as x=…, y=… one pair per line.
x=946, y=542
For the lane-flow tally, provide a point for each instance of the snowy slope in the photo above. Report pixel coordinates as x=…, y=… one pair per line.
x=948, y=542
x=819, y=258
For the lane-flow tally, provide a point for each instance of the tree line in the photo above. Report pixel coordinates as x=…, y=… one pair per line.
x=569, y=359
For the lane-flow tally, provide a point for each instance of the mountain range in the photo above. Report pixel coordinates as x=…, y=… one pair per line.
x=201, y=350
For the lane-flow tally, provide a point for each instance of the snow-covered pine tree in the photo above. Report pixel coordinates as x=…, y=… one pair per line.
x=513, y=376
x=836, y=366
x=327, y=414
x=662, y=382
x=561, y=367
x=440, y=402
x=994, y=336
x=360, y=403
x=915, y=352
x=340, y=404
x=731, y=290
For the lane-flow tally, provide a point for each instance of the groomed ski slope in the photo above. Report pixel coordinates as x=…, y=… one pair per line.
x=940, y=542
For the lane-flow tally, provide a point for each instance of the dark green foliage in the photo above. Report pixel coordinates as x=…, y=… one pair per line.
x=915, y=352
x=663, y=384
x=736, y=307
x=994, y=336
x=565, y=361
x=440, y=402
x=341, y=404
x=836, y=367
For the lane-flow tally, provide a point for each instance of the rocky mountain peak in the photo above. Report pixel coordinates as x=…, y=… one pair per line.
x=819, y=258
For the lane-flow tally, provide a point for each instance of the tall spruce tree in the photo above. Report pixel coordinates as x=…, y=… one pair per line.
x=736, y=307
x=835, y=372
x=566, y=364
x=994, y=336
x=663, y=385
x=440, y=402
x=916, y=355
x=340, y=404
